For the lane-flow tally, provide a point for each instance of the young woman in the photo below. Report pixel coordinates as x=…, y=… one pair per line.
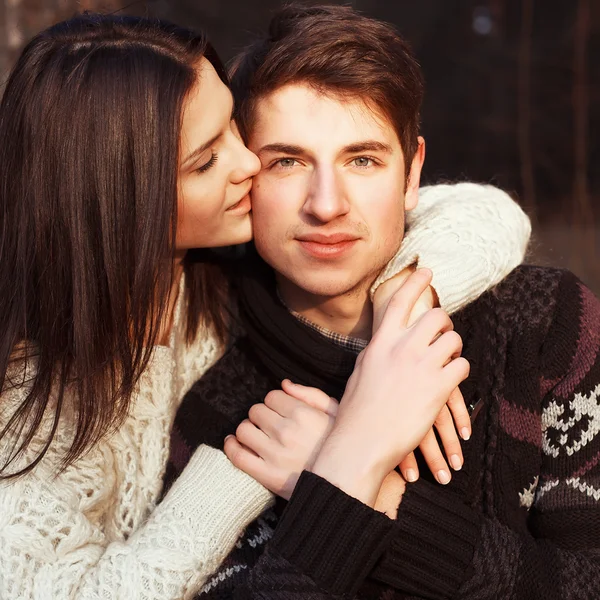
x=118, y=157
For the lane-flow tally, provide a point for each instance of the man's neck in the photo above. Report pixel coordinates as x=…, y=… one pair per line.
x=350, y=314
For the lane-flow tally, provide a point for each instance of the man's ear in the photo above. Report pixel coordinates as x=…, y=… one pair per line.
x=411, y=196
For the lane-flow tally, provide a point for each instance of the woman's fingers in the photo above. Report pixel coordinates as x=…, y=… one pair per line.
x=434, y=458
x=460, y=414
x=252, y=437
x=244, y=459
x=309, y=395
x=264, y=418
x=449, y=437
x=409, y=468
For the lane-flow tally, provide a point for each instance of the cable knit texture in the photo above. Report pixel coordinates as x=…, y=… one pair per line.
x=220, y=401
x=520, y=521
x=468, y=234
x=94, y=531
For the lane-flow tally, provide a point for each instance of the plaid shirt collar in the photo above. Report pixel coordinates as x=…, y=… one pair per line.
x=347, y=342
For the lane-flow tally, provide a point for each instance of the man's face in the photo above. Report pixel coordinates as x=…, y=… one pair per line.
x=328, y=204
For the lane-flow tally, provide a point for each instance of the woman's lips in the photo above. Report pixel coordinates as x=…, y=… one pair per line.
x=242, y=207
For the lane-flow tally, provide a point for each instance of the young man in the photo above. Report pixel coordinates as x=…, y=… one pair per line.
x=341, y=162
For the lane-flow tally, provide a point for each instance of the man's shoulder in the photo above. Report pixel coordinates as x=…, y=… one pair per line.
x=530, y=281
x=532, y=293
x=532, y=300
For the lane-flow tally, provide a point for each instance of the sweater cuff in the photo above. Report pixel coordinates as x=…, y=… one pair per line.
x=436, y=535
x=330, y=536
x=214, y=500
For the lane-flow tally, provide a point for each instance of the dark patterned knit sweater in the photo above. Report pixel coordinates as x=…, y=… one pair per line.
x=521, y=520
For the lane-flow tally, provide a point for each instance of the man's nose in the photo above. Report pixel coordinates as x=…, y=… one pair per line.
x=326, y=199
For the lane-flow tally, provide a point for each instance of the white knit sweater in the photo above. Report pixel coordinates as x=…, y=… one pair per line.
x=95, y=530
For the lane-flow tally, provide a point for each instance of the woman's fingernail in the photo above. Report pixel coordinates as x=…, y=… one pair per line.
x=443, y=477
x=465, y=433
x=456, y=462
x=411, y=475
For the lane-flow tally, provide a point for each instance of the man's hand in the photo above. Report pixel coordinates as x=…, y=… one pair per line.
x=452, y=418
x=384, y=293
x=400, y=383
x=283, y=436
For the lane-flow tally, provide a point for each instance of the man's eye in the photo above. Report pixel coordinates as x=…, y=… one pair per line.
x=362, y=161
x=286, y=163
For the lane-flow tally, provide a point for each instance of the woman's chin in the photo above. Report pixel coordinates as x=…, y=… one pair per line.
x=239, y=234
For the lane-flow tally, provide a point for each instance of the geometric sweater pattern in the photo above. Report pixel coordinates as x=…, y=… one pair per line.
x=520, y=521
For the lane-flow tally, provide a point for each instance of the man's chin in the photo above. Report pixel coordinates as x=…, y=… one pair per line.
x=330, y=287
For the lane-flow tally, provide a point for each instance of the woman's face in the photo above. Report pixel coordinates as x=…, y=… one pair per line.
x=215, y=169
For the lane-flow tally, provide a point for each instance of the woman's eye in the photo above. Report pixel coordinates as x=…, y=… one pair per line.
x=207, y=165
x=362, y=161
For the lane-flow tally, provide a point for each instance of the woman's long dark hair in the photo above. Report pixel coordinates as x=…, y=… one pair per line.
x=89, y=147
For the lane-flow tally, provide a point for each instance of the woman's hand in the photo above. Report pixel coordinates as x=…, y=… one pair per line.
x=452, y=418
x=282, y=436
x=390, y=495
x=401, y=382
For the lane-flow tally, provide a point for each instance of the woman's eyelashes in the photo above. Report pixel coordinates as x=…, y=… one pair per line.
x=208, y=164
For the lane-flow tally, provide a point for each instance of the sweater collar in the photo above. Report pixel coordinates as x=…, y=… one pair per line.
x=286, y=346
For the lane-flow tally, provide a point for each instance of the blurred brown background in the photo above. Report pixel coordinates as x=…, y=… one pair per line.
x=513, y=94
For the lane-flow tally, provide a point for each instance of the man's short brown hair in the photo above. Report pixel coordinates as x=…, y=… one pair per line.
x=337, y=51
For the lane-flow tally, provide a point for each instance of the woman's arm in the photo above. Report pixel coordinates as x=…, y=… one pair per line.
x=470, y=236
x=50, y=549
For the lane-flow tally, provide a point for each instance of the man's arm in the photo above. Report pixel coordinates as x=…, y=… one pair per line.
x=470, y=236
x=442, y=548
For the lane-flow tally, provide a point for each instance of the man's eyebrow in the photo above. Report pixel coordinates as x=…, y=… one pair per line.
x=282, y=149
x=367, y=146
x=198, y=151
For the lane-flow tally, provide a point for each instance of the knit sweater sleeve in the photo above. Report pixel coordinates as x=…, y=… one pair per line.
x=471, y=236
x=50, y=549
x=440, y=547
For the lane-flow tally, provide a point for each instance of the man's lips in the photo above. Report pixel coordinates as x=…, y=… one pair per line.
x=319, y=245
x=331, y=239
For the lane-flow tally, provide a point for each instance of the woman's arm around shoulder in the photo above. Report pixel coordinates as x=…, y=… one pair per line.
x=470, y=236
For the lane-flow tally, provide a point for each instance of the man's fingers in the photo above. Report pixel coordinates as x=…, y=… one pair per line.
x=409, y=468
x=434, y=458
x=311, y=396
x=456, y=371
x=447, y=347
x=447, y=432
x=432, y=324
x=460, y=414
x=402, y=302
